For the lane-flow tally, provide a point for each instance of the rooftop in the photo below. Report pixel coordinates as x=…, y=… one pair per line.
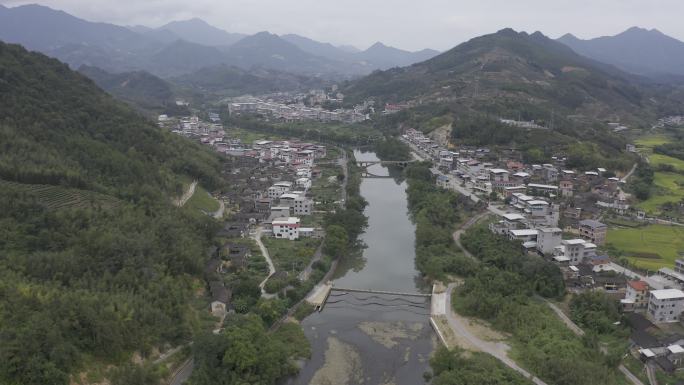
x=498, y=171
x=576, y=241
x=513, y=217
x=668, y=294
x=638, y=285
x=592, y=223
x=286, y=221
x=523, y=232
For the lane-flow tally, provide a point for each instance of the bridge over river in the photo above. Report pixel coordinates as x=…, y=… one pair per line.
x=365, y=164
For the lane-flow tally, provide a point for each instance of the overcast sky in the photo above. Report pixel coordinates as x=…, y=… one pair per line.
x=409, y=24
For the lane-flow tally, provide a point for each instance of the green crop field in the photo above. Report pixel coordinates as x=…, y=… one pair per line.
x=648, y=142
x=670, y=186
x=650, y=247
x=56, y=197
x=658, y=159
x=670, y=189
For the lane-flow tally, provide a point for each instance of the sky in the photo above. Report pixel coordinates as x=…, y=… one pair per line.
x=408, y=24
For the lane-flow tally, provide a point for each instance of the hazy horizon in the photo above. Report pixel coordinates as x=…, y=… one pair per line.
x=436, y=24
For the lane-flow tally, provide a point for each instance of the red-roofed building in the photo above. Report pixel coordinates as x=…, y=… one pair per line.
x=636, y=296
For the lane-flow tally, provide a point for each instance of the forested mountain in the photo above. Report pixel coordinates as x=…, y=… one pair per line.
x=84, y=280
x=636, y=50
x=139, y=88
x=227, y=80
x=200, y=32
x=513, y=74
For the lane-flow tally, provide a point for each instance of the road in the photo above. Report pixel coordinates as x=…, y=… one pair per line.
x=579, y=332
x=187, y=194
x=183, y=374
x=304, y=275
x=457, y=234
x=219, y=213
x=343, y=162
x=631, y=171
x=264, y=251
x=496, y=349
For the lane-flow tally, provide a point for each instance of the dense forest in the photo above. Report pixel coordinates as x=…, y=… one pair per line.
x=57, y=127
x=93, y=282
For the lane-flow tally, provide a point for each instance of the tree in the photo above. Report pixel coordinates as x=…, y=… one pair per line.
x=336, y=241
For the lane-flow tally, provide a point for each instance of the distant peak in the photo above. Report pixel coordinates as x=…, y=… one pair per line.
x=264, y=34
x=507, y=32
x=568, y=37
x=641, y=31
x=377, y=45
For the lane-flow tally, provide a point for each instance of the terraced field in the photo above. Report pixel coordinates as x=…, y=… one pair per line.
x=56, y=197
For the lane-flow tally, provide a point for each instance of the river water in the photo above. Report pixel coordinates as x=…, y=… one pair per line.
x=371, y=339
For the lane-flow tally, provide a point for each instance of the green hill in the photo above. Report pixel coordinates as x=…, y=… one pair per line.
x=499, y=70
x=57, y=127
x=138, y=88
x=95, y=262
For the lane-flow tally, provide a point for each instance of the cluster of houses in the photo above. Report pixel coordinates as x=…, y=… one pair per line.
x=649, y=303
x=270, y=184
x=298, y=111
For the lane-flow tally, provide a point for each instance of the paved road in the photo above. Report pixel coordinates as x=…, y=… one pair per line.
x=187, y=194
x=264, y=251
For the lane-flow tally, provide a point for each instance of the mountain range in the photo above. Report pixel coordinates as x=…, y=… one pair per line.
x=181, y=47
x=636, y=50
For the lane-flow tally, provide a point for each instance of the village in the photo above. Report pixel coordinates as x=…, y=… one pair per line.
x=291, y=107
x=272, y=213
x=558, y=214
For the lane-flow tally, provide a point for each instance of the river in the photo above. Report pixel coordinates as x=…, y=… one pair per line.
x=374, y=339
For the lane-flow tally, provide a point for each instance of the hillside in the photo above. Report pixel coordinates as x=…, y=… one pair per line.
x=138, y=88
x=224, y=80
x=95, y=262
x=636, y=50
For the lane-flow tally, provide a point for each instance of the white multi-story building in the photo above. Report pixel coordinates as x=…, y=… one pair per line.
x=665, y=305
x=574, y=251
x=286, y=228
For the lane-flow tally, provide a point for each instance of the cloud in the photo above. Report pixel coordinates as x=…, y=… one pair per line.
x=407, y=24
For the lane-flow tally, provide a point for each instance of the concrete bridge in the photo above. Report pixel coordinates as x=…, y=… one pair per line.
x=366, y=163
